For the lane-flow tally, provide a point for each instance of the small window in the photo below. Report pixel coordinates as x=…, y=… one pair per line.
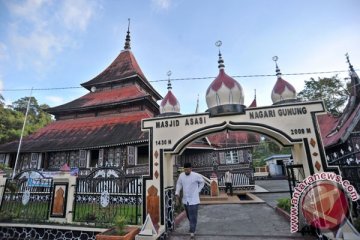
x=142, y=155
x=12, y=160
x=94, y=158
x=2, y=158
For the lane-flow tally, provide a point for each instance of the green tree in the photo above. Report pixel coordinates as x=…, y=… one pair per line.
x=331, y=90
x=10, y=124
x=2, y=101
x=266, y=148
x=21, y=105
x=12, y=119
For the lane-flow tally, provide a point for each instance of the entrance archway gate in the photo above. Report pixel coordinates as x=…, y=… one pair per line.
x=293, y=125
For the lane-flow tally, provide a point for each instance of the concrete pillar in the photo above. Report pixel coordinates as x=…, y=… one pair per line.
x=2, y=185
x=65, y=178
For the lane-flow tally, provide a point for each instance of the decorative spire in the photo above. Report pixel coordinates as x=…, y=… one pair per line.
x=169, y=105
x=224, y=95
x=169, y=82
x=282, y=91
x=197, y=104
x=355, y=81
x=253, y=104
x=220, y=61
x=348, y=61
x=127, y=39
x=275, y=59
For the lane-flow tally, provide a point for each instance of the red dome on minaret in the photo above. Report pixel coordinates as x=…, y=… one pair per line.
x=224, y=90
x=283, y=91
x=169, y=105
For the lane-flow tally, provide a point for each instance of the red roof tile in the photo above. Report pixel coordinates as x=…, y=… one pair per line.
x=111, y=96
x=233, y=139
x=123, y=67
x=84, y=133
x=253, y=104
x=328, y=123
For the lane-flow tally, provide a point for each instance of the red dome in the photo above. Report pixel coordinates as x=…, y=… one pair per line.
x=225, y=79
x=169, y=98
x=280, y=85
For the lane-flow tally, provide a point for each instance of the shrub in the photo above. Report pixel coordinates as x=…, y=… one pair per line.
x=357, y=224
x=284, y=203
x=120, y=223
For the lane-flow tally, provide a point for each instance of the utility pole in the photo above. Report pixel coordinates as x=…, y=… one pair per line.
x=22, y=133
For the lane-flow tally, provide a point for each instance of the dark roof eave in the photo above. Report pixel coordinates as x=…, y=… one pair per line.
x=84, y=147
x=53, y=111
x=231, y=148
x=88, y=85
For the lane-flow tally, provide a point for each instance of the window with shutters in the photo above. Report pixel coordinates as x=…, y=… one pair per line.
x=232, y=157
x=131, y=155
x=222, y=158
x=2, y=158
x=82, y=158
x=34, y=160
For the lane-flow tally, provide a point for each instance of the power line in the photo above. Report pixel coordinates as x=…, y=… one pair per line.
x=181, y=79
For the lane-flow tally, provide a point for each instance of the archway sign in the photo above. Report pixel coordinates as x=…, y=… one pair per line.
x=292, y=125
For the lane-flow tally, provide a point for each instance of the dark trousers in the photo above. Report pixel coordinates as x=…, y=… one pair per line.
x=228, y=185
x=192, y=213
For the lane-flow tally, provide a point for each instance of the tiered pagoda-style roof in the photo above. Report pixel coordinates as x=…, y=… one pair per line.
x=109, y=115
x=336, y=130
x=123, y=69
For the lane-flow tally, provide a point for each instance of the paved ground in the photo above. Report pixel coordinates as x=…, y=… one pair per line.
x=242, y=221
x=277, y=189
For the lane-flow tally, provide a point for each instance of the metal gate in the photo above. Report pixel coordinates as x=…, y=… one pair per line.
x=105, y=194
x=294, y=172
x=27, y=197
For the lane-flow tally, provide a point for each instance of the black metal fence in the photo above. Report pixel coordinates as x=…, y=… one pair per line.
x=26, y=198
x=105, y=194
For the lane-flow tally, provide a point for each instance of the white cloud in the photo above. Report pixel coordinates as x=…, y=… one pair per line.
x=39, y=45
x=76, y=15
x=3, y=51
x=41, y=29
x=161, y=4
x=54, y=100
x=29, y=9
x=1, y=85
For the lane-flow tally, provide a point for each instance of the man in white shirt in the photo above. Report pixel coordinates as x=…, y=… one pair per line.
x=228, y=181
x=191, y=183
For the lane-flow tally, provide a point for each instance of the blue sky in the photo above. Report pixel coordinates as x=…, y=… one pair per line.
x=52, y=44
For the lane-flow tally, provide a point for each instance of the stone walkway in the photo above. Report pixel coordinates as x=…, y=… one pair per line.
x=242, y=221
